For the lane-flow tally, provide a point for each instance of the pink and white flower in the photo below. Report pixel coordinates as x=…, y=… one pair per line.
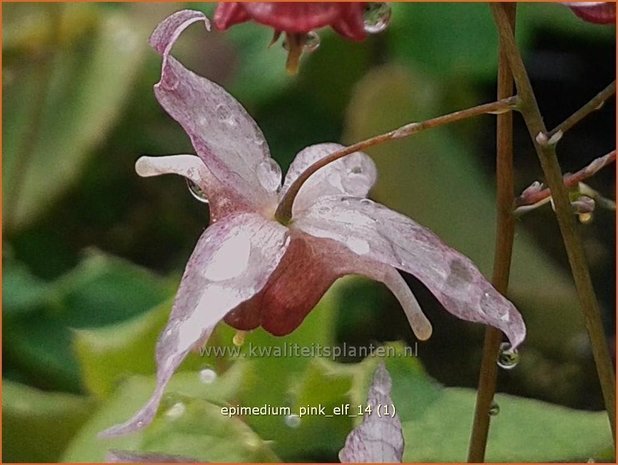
x=249, y=269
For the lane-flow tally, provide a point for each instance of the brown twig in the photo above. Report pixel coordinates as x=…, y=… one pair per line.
x=284, y=211
x=546, y=152
x=505, y=232
x=531, y=197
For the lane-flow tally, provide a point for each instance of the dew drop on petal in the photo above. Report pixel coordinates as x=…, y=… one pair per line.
x=269, y=174
x=292, y=420
x=377, y=17
x=225, y=115
x=208, y=375
x=494, y=409
x=176, y=411
x=196, y=191
x=508, y=358
x=366, y=202
x=312, y=42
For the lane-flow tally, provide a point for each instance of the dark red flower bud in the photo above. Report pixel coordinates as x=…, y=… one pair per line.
x=595, y=12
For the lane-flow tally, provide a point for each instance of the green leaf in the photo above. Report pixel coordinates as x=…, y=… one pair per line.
x=37, y=425
x=108, y=355
x=196, y=427
x=22, y=292
x=101, y=291
x=64, y=98
x=525, y=430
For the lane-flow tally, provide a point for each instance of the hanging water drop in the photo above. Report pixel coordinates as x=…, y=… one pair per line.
x=494, y=409
x=312, y=42
x=208, y=375
x=239, y=338
x=292, y=420
x=176, y=411
x=269, y=175
x=508, y=358
x=377, y=17
x=196, y=191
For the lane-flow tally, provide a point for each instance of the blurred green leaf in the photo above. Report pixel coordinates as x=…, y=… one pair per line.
x=101, y=291
x=196, y=431
x=22, y=292
x=449, y=39
x=437, y=421
x=109, y=354
x=63, y=100
x=37, y=425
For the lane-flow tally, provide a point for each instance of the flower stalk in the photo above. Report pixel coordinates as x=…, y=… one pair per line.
x=546, y=153
x=284, y=210
x=505, y=233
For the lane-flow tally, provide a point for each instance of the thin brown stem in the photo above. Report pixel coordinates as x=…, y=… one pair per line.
x=505, y=232
x=284, y=211
x=531, y=197
x=594, y=104
x=546, y=152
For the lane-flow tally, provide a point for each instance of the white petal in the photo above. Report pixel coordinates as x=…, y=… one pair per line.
x=400, y=242
x=353, y=174
x=202, y=301
x=225, y=137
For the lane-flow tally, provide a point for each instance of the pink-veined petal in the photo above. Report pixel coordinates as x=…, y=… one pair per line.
x=353, y=174
x=229, y=13
x=379, y=438
x=310, y=266
x=374, y=231
x=232, y=262
x=225, y=137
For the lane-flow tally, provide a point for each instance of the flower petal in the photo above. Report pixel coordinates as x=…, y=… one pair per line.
x=379, y=438
x=226, y=138
x=308, y=269
x=189, y=166
x=229, y=13
x=231, y=263
x=594, y=12
x=294, y=17
x=374, y=231
x=353, y=174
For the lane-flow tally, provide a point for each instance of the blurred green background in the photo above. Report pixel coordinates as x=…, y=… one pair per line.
x=92, y=254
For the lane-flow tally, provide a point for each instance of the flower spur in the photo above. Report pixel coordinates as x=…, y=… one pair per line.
x=251, y=270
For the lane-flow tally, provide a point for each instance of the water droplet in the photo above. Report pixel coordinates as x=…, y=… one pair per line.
x=208, y=375
x=176, y=411
x=377, y=17
x=269, y=175
x=239, y=338
x=312, y=42
x=507, y=358
x=494, y=409
x=356, y=170
x=366, y=202
x=140, y=424
x=225, y=115
x=196, y=191
x=292, y=421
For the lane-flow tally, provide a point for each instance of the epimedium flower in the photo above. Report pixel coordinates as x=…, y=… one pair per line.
x=299, y=20
x=595, y=12
x=249, y=269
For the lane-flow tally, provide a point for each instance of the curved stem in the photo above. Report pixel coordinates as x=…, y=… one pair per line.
x=546, y=152
x=505, y=233
x=284, y=210
x=570, y=180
